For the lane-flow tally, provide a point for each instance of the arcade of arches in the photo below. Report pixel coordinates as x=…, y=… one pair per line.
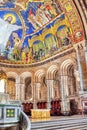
x=58, y=82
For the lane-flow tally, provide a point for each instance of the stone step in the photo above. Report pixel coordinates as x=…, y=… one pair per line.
x=65, y=124
x=58, y=119
x=65, y=127
x=54, y=122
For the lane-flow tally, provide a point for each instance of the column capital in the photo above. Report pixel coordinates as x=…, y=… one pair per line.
x=79, y=47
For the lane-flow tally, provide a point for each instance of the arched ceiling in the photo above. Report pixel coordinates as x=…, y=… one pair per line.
x=34, y=30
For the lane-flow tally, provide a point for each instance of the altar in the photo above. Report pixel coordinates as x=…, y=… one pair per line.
x=40, y=113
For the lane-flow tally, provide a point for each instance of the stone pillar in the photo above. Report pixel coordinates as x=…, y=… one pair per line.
x=48, y=94
x=18, y=89
x=63, y=109
x=51, y=89
x=86, y=54
x=37, y=94
x=76, y=74
x=85, y=50
x=80, y=70
x=34, y=96
x=84, y=64
x=22, y=87
x=5, y=86
x=66, y=85
x=64, y=93
x=71, y=85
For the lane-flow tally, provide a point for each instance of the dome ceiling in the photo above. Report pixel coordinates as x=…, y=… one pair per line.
x=34, y=30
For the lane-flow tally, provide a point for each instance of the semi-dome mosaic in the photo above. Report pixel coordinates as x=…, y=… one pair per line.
x=34, y=30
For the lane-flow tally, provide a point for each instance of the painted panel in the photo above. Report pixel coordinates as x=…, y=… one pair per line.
x=33, y=30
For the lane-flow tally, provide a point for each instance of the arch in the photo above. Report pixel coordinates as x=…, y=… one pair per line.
x=50, y=42
x=2, y=75
x=65, y=64
x=36, y=42
x=51, y=71
x=67, y=72
x=41, y=89
x=48, y=35
x=61, y=27
x=11, y=87
x=63, y=35
x=80, y=5
x=38, y=49
x=13, y=78
x=28, y=88
x=24, y=75
x=12, y=74
x=39, y=74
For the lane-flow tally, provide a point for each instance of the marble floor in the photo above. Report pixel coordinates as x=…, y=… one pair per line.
x=57, y=118
x=74, y=122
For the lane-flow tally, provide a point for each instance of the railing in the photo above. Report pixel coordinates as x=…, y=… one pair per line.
x=11, y=113
x=25, y=123
x=17, y=102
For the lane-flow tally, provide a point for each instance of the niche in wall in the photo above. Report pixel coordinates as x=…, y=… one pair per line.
x=28, y=88
x=11, y=89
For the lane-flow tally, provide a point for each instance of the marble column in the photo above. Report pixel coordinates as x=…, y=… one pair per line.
x=18, y=89
x=85, y=51
x=37, y=94
x=81, y=58
x=85, y=48
x=5, y=86
x=80, y=70
x=51, y=89
x=66, y=85
x=34, y=96
x=64, y=93
x=85, y=63
x=48, y=94
x=22, y=87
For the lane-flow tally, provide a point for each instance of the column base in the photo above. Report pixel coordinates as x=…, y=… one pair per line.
x=81, y=92
x=66, y=113
x=48, y=105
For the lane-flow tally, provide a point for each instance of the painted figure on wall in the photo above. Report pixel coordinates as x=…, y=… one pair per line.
x=56, y=5
x=63, y=35
x=17, y=46
x=42, y=13
x=32, y=19
x=6, y=29
x=52, y=47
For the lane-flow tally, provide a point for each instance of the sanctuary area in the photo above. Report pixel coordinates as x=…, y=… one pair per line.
x=43, y=56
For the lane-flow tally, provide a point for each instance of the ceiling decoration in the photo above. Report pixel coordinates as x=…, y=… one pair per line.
x=34, y=30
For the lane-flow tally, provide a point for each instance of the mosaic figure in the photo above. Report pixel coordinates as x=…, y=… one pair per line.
x=17, y=46
x=6, y=28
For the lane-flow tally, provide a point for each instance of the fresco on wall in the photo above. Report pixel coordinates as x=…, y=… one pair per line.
x=74, y=19
x=33, y=30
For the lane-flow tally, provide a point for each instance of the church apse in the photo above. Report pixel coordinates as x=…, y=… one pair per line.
x=37, y=30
